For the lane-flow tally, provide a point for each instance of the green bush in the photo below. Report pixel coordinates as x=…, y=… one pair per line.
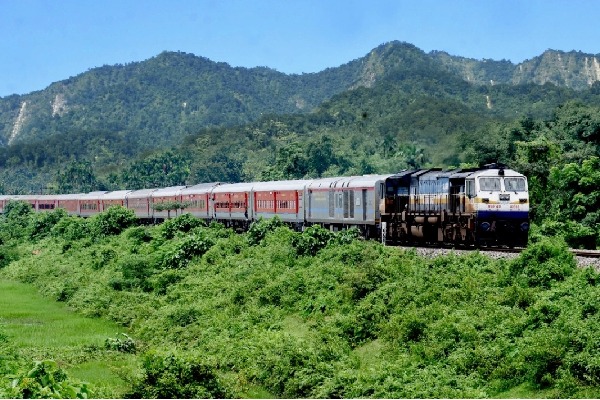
x=313, y=239
x=259, y=229
x=183, y=223
x=139, y=234
x=41, y=224
x=544, y=263
x=113, y=221
x=577, y=235
x=190, y=247
x=46, y=380
x=15, y=220
x=72, y=229
x=135, y=269
x=16, y=210
x=123, y=345
x=173, y=376
x=8, y=254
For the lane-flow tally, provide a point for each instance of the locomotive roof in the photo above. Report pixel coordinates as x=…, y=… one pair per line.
x=437, y=174
x=496, y=172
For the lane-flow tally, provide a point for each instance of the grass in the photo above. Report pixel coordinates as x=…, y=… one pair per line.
x=43, y=329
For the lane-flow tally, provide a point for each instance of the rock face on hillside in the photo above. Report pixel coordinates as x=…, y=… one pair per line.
x=573, y=69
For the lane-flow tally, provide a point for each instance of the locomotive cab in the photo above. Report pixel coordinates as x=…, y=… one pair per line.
x=394, y=193
x=501, y=204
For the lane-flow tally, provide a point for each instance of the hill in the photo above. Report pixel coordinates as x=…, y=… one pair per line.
x=395, y=106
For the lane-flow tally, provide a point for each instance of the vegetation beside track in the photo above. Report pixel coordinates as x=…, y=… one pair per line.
x=276, y=313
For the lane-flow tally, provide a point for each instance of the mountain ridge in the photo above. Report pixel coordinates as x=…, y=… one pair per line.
x=247, y=93
x=396, y=100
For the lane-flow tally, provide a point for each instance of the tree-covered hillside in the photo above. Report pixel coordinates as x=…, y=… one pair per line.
x=397, y=107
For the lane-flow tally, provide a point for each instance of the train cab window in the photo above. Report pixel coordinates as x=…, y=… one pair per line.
x=470, y=188
x=514, y=184
x=489, y=184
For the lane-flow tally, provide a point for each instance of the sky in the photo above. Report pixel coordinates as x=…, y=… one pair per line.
x=45, y=41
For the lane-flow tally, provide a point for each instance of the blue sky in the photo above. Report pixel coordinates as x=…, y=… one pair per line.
x=44, y=41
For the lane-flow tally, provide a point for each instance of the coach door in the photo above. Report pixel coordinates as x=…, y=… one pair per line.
x=364, y=204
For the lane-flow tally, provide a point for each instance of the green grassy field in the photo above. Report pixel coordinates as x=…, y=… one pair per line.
x=42, y=329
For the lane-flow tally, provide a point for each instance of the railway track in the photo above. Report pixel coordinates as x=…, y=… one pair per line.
x=517, y=250
x=576, y=252
x=586, y=253
x=585, y=258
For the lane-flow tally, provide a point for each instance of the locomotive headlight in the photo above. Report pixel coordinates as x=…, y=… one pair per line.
x=485, y=226
x=485, y=200
x=524, y=226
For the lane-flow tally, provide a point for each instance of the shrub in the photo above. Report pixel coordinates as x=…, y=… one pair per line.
x=259, y=229
x=577, y=235
x=102, y=257
x=171, y=376
x=72, y=228
x=41, y=224
x=16, y=219
x=313, y=239
x=544, y=263
x=139, y=234
x=15, y=209
x=46, y=380
x=183, y=223
x=163, y=280
x=123, y=345
x=113, y=221
x=136, y=271
x=8, y=254
x=190, y=247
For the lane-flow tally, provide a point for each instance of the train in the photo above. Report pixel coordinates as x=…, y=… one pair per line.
x=485, y=206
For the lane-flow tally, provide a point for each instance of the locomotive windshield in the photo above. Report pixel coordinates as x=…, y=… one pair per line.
x=489, y=184
x=514, y=184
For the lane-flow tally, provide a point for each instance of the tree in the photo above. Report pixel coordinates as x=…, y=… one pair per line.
x=77, y=177
x=159, y=170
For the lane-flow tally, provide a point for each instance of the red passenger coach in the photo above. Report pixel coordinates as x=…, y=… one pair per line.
x=116, y=198
x=33, y=201
x=89, y=203
x=139, y=201
x=3, y=200
x=232, y=203
x=165, y=195
x=284, y=199
x=68, y=202
x=197, y=199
